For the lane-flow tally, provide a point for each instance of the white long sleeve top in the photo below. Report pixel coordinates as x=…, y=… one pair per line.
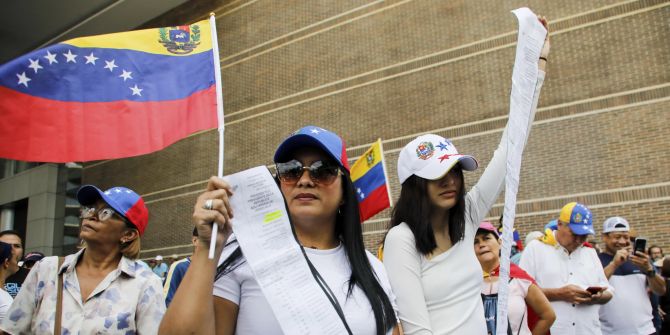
x=441, y=295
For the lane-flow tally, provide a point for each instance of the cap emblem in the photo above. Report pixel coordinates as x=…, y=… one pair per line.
x=425, y=150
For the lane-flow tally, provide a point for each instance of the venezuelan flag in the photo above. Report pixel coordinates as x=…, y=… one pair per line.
x=108, y=96
x=369, y=177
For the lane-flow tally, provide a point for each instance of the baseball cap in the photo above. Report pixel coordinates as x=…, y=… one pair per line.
x=159, y=258
x=615, y=223
x=487, y=226
x=431, y=157
x=315, y=136
x=33, y=256
x=123, y=200
x=578, y=217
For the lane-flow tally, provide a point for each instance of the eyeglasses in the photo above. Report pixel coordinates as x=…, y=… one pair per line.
x=103, y=214
x=319, y=172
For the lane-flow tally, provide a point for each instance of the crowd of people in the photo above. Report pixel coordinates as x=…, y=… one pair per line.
x=439, y=273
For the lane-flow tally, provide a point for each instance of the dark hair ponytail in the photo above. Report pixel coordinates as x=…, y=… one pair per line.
x=350, y=230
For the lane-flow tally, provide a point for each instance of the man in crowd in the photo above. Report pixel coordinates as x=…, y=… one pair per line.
x=177, y=272
x=161, y=268
x=569, y=273
x=630, y=311
x=14, y=282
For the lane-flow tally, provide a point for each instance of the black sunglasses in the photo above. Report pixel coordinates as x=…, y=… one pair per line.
x=319, y=172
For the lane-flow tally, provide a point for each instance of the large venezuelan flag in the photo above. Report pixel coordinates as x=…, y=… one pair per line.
x=369, y=177
x=108, y=96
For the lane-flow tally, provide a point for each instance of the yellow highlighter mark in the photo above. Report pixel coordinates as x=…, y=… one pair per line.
x=269, y=217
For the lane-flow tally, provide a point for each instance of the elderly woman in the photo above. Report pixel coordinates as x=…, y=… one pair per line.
x=523, y=291
x=103, y=290
x=313, y=174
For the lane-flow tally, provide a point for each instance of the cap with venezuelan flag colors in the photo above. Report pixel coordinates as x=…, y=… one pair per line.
x=578, y=217
x=123, y=200
x=316, y=137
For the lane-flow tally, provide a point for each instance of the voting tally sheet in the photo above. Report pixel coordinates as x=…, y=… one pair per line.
x=263, y=231
x=524, y=79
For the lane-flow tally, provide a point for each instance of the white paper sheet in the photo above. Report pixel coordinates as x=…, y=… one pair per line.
x=524, y=78
x=262, y=228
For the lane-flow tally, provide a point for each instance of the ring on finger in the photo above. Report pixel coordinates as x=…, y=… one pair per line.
x=209, y=204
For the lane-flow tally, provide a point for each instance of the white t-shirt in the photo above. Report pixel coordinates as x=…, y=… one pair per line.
x=441, y=295
x=5, y=301
x=255, y=315
x=553, y=267
x=516, y=302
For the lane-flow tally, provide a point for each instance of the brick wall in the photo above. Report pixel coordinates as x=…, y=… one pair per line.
x=396, y=69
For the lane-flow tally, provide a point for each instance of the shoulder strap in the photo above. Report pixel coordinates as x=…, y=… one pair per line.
x=59, y=298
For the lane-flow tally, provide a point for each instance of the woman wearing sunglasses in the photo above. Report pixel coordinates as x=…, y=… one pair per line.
x=104, y=290
x=313, y=174
x=428, y=252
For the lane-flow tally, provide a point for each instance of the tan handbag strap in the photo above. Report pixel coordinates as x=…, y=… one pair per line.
x=59, y=298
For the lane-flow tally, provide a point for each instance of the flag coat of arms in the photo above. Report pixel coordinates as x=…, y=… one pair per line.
x=108, y=96
x=369, y=176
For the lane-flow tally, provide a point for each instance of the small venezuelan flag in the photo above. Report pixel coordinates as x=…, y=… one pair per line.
x=369, y=177
x=108, y=96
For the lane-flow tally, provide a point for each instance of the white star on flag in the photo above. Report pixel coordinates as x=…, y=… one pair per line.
x=35, y=64
x=128, y=191
x=136, y=90
x=126, y=75
x=110, y=65
x=90, y=59
x=315, y=131
x=117, y=190
x=51, y=58
x=108, y=193
x=70, y=57
x=23, y=79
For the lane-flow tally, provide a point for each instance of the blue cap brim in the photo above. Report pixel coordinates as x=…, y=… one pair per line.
x=580, y=229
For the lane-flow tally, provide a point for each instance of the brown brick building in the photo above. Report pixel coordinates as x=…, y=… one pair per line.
x=397, y=69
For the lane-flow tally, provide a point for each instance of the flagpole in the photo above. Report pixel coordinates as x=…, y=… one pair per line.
x=386, y=176
x=219, y=114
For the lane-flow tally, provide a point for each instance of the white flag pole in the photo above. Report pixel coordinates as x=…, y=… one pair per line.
x=219, y=114
x=386, y=176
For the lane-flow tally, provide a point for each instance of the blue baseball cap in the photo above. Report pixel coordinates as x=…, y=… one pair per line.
x=314, y=136
x=578, y=217
x=123, y=200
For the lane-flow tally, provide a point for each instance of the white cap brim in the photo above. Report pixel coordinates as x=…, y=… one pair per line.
x=436, y=170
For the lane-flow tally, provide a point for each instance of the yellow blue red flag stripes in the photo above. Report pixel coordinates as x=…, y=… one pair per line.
x=369, y=176
x=108, y=96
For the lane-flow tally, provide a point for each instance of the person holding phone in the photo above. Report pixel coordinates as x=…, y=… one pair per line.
x=630, y=273
x=569, y=273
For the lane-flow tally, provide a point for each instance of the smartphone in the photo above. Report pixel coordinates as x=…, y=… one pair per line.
x=640, y=245
x=595, y=289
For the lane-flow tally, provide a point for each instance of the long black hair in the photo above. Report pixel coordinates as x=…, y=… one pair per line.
x=414, y=208
x=348, y=229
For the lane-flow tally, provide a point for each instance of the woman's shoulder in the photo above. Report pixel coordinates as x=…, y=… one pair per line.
x=400, y=231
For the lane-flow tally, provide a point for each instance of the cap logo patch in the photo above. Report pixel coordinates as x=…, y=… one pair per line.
x=425, y=150
x=578, y=218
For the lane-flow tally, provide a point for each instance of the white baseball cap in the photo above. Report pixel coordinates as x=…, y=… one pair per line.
x=431, y=157
x=615, y=223
x=159, y=258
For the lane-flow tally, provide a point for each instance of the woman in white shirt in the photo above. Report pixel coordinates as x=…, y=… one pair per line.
x=427, y=252
x=324, y=212
x=523, y=291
